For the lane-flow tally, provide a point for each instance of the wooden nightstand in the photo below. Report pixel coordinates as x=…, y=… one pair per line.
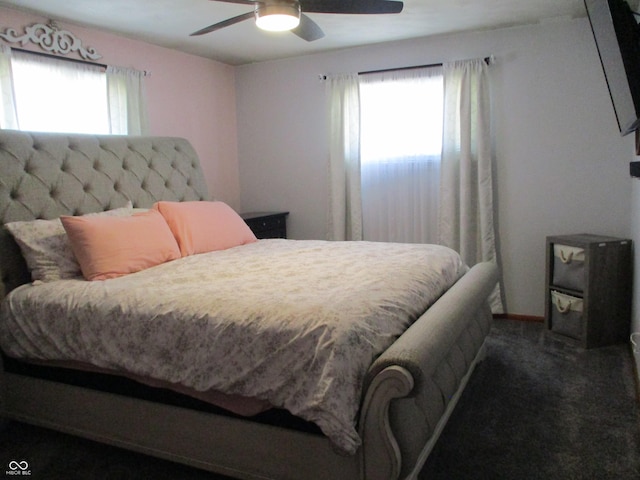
x=267, y=224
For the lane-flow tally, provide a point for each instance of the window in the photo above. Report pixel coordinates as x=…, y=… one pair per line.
x=45, y=93
x=54, y=95
x=401, y=116
x=401, y=121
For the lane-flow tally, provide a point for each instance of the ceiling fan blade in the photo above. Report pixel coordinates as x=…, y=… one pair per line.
x=225, y=23
x=351, y=6
x=308, y=29
x=241, y=2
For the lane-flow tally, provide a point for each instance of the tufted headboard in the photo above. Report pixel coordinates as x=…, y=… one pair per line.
x=46, y=175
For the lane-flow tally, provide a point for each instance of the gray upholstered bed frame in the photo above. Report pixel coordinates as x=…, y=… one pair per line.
x=410, y=390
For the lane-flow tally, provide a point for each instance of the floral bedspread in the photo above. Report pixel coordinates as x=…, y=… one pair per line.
x=295, y=323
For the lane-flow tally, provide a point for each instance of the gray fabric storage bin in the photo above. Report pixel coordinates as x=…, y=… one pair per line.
x=568, y=267
x=566, y=314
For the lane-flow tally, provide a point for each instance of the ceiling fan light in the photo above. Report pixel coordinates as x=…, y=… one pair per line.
x=278, y=18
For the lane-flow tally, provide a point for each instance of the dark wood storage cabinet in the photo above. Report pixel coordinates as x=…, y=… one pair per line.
x=267, y=224
x=588, y=288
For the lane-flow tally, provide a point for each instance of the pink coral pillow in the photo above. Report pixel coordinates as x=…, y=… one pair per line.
x=109, y=247
x=201, y=227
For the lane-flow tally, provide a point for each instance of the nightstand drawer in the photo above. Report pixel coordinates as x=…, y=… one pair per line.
x=267, y=224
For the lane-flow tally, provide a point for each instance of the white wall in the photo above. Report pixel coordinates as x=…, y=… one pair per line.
x=561, y=164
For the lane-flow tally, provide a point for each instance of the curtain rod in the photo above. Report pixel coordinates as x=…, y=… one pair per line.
x=488, y=60
x=414, y=67
x=67, y=59
x=146, y=73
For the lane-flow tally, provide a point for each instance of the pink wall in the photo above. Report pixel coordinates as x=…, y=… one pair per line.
x=187, y=96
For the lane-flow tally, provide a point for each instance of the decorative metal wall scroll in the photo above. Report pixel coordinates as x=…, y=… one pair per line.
x=51, y=39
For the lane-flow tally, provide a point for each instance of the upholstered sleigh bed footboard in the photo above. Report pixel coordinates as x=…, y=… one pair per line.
x=429, y=366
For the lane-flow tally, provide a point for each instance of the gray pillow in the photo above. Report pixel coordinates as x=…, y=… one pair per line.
x=46, y=248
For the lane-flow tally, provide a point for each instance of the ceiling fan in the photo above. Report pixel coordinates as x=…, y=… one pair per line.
x=282, y=15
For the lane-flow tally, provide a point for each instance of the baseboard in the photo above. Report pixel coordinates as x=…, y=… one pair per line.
x=521, y=318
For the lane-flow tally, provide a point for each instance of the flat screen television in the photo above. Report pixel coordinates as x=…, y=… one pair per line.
x=617, y=37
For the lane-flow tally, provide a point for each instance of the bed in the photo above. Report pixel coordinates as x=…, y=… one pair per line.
x=402, y=390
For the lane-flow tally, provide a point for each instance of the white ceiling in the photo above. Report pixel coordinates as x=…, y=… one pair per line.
x=169, y=22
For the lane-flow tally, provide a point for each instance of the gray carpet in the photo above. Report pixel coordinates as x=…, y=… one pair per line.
x=535, y=408
x=539, y=408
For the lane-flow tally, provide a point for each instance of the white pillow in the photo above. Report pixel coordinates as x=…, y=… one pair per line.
x=46, y=248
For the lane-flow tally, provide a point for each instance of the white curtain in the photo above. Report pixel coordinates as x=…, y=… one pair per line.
x=8, y=115
x=466, y=220
x=343, y=112
x=401, y=141
x=127, y=102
